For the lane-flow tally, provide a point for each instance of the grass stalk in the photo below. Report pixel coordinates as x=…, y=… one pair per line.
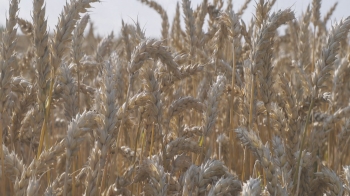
x=3, y=179
x=251, y=106
x=46, y=117
x=152, y=140
x=123, y=115
x=74, y=168
x=104, y=176
x=295, y=177
x=232, y=134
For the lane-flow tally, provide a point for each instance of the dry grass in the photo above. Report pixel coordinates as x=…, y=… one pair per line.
x=235, y=109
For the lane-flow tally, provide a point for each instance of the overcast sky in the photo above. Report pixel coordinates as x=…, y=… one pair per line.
x=107, y=14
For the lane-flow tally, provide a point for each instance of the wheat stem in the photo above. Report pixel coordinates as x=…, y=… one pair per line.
x=3, y=179
x=295, y=177
x=152, y=139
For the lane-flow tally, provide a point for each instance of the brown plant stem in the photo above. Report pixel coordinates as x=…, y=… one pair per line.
x=104, y=176
x=295, y=177
x=152, y=138
x=123, y=115
x=3, y=179
x=47, y=115
x=232, y=134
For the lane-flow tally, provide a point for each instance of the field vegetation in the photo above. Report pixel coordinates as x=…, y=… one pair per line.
x=220, y=107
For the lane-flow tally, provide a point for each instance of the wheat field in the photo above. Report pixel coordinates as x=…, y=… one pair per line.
x=220, y=107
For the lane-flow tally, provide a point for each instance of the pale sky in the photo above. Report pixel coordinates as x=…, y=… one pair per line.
x=107, y=14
